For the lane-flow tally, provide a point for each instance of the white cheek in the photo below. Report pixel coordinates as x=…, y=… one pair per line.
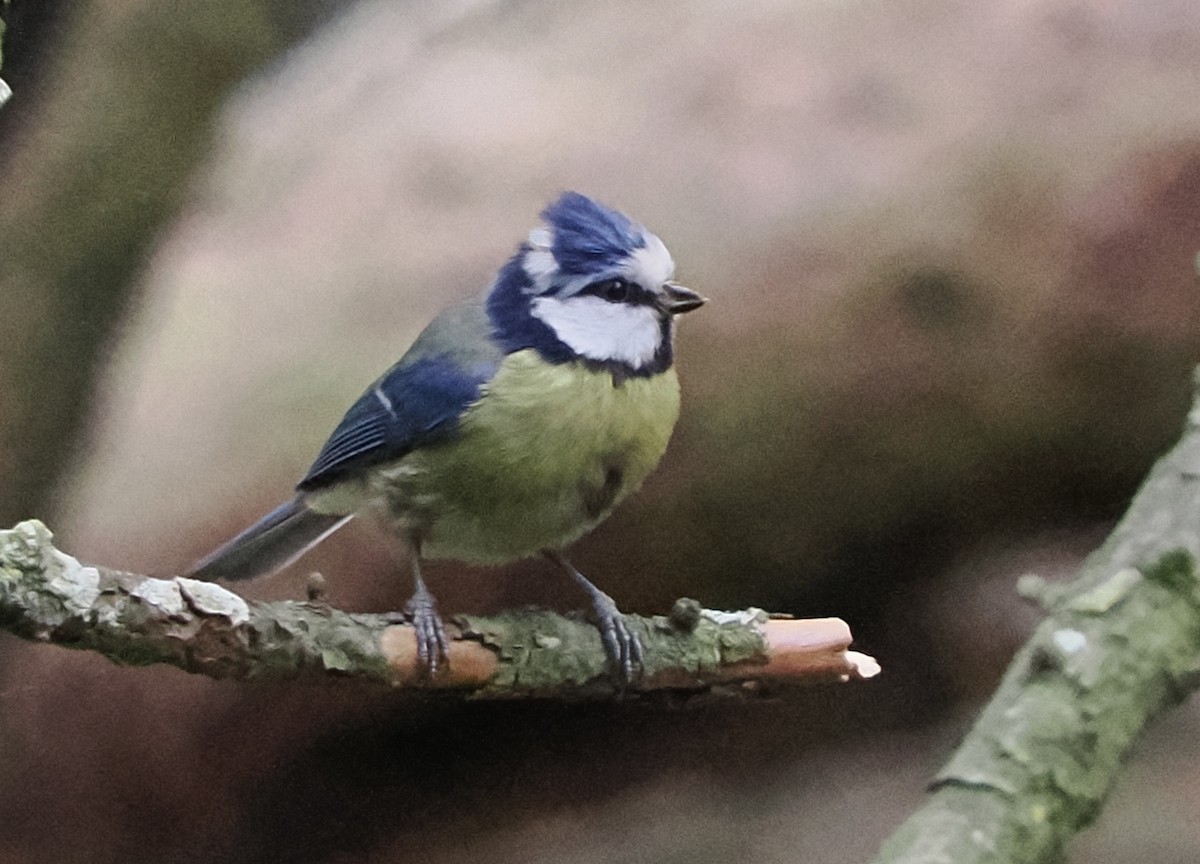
x=599, y=330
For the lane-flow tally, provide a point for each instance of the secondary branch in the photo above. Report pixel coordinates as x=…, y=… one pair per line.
x=1120, y=645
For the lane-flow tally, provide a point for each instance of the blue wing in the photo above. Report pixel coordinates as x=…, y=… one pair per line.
x=417, y=402
x=414, y=404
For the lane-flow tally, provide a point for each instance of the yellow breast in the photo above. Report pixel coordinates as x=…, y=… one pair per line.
x=541, y=458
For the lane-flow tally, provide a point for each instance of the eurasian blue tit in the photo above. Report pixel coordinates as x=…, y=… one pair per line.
x=514, y=424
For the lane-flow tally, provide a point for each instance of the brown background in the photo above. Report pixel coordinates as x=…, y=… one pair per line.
x=950, y=249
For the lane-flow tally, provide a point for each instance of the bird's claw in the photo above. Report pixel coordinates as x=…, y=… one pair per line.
x=622, y=645
x=433, y=647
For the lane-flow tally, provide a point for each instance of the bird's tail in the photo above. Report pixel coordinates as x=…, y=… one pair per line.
x=270, y=544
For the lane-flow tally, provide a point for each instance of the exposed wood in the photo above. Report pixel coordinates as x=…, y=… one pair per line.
x=202, y=627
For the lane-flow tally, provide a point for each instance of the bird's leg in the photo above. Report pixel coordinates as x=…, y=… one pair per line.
x=622, y=645
x=421, y=609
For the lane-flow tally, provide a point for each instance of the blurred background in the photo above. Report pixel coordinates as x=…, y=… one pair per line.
x=950, y=251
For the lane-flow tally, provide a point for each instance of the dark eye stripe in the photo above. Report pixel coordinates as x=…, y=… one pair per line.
x=619, y=291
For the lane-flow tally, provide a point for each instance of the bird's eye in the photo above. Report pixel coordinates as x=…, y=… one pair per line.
x=614, y=290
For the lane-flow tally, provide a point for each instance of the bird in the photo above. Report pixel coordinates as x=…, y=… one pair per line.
x=513, y=425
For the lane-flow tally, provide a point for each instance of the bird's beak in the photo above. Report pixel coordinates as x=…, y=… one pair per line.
x=677, y=299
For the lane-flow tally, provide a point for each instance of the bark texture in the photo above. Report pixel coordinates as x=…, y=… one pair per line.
x=201, y=627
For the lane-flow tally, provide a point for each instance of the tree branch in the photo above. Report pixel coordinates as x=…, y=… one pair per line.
x=202, y=627
x=1120, y=645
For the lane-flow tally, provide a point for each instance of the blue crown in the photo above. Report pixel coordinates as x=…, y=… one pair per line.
x=588, y=237
x=587, y=241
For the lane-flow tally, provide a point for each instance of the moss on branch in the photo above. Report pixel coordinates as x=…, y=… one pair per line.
x=201, y=627
x=1119, y=645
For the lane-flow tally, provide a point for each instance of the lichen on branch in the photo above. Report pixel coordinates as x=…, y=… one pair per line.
x=1119, y=645
x=201, y=627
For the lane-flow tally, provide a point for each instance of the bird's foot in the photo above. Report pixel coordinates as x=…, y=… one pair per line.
x=622, y=645
x=433, y=647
